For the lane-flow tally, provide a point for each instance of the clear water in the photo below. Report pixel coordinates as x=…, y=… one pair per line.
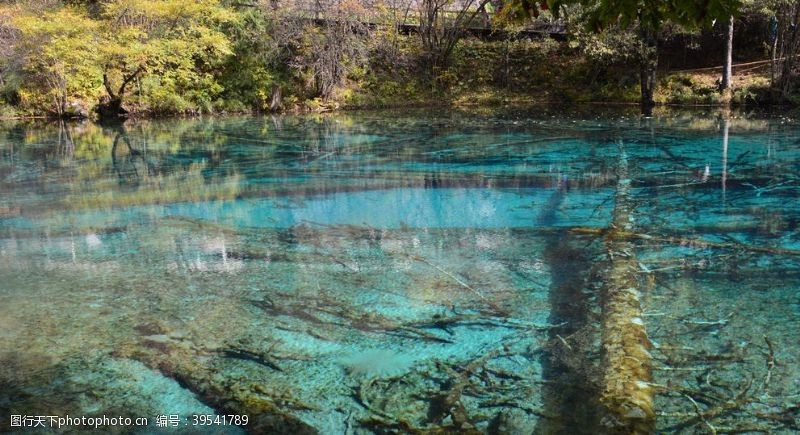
x=344, y=273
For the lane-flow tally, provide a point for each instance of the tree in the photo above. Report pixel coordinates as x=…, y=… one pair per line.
x=441, y=26
x=647, y=17
x=9, y=36
x=785, y=45
x=780, y=16
x=251, y=75
x=319, y=53
x=392, y=16
x=172, y=45
x=331, y=49
x=57, y=52
x=725, y=83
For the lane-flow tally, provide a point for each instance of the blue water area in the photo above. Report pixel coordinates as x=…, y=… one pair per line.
x=392, y=272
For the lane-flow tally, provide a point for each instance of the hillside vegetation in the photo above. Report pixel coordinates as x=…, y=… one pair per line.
x=111, y=58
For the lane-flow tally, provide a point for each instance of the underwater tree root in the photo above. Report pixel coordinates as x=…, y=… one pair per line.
x=383, y=421
x=707, y=394
x=770, y=363
x=706, y=416
x=446, y=414
x=448, y=402
x=730, y=415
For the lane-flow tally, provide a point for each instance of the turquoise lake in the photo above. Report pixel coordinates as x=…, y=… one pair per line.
x=395, y=272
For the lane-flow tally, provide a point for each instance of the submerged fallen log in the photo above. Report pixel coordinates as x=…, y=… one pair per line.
x=324, y=311
x=622, y=233
x=225, y=396
x=626, y=396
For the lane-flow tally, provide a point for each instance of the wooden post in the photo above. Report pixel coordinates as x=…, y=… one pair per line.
x=627, y=395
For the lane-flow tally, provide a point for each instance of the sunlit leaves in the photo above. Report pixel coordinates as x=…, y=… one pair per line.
x=59, y=51
x=164, y=52
x=167, y=45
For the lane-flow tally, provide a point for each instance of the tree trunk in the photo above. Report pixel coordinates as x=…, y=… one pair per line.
x=726, y=83
x=276, y=100
x=627, y=395
x=789, y=48
x=648, y=63
x=773, y=26
x=111, y=109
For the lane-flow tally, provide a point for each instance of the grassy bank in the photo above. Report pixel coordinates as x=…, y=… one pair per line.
x=541, y=72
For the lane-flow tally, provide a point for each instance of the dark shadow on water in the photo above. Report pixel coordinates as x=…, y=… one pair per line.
x=570, y=390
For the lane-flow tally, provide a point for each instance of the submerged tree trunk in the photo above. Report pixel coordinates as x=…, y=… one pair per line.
x=569, y=366
x=627, y=396
x=263, y=415
x=726, y=126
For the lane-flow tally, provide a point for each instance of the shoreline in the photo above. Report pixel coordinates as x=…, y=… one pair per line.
x=421, y=106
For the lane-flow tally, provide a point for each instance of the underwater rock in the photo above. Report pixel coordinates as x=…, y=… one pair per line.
x=177, y=335
x=158, y=338
x=76, y=109
x=511, y=422
x=93, y=241
x=151, y=328
x=377, y=363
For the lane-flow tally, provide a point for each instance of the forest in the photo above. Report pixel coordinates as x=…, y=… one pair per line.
x=112, y=58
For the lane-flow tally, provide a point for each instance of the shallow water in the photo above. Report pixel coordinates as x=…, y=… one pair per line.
x=389, y=272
